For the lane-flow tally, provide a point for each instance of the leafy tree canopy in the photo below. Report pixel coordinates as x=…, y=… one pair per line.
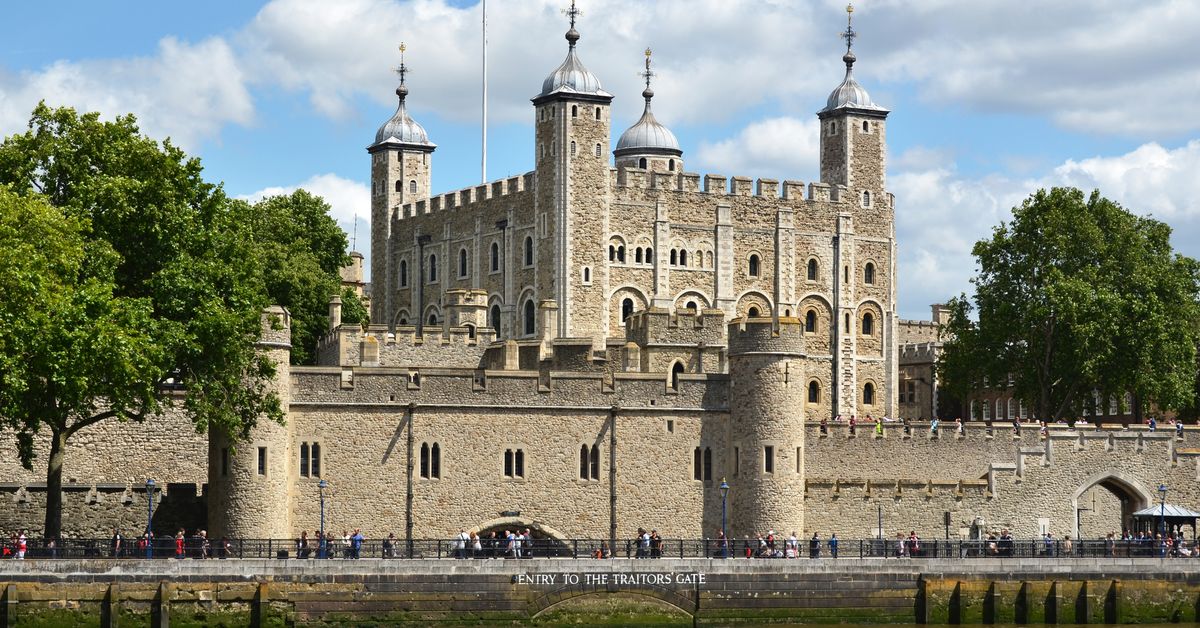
x=144, y=274
x=1076, y=295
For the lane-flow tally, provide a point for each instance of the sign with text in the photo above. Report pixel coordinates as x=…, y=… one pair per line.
x=603, y=579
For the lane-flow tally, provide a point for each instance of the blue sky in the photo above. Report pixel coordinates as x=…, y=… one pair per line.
x=990, y=99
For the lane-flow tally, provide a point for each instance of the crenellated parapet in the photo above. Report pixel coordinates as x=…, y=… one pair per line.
x=466, y=197
x=919, y=353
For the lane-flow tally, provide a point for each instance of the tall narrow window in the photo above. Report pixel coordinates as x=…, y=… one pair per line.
x=303, y=460
x=697, y=464
x=587, y=275
x=671, y=165
x=865, y=127
x=262, y=460
x=621, y=253
x=753, y=265
x=626, y=309
x=574, y=111
x=315, y=465
x=435, y=461
x=583, y=462
x=637, y=255
x=508, y=463
x=528, y=251
x=612, y=252
x=846, y=274
x=519, y=463
x=403, y=273
x=594, y=467
x=868, y=394
x=737, y=460
x=224, y=461
x=868, y=324
x=572, y=148
x=812, y=270
x=494, y=318
x=866, y=199
x=495, y=256
x=814, y=392
x=708, y=464
x=642, y=163
x=425, y=461
x=432, y=268
x=530, y=318
x=597, y=113
x=412, y=186
x=676, y=371
x=768, y=459
x=869, y=273
x=399, y=185
x=810, y=321
x=683, y=257
x=462, y=263
x=674, y=257
x=598, y=149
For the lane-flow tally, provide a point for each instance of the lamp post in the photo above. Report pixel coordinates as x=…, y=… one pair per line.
x=724, y=534
x=1162, y=512
x=321, y=549
x=149, y=517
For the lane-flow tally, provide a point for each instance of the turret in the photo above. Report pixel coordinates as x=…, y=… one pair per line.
x=401, y=163
x=766, y=425
x=250, y=481
x=648, y=144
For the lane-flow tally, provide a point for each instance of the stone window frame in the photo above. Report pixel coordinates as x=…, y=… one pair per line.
x=402, y=272
x=754, y=265
x=809, y=391
x=431, y=269
x=815, y=265
x=429, y=467
x=873, y=390
x=495, y=259
x=507, y=464
x=585, y=274
x=311, y=451
x=591, y=463
x=769, y=459
x=262, y=459
x=866, y=327
x=464, y=263
x=528, y=251
x=873, y=275
x=816, y=321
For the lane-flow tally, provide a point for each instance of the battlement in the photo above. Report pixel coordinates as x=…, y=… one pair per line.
x=467, y=196
x=919, y=352
x=915, y=331
x=895, y=488
x=684, y=327
x=350, y=345
x=719, y=184
x=766, y=335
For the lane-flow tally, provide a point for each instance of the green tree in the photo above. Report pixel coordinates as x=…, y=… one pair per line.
x=303, y=250
x=1076, y=294
x=154, y=280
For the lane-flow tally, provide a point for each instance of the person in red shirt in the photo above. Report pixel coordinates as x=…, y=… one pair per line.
x=179, y=544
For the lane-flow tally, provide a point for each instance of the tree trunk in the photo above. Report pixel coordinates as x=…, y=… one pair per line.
x=54, y=471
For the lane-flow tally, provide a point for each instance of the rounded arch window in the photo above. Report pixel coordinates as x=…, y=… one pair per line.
x=810, y=321
x=495, y=257
x=683, y=257
x=671, y=165
x=587, y=274
x=691, y=305
x=866, y=199
x=676, y=371
x=754, y=263
x=868, y=394
x=752, y=312
x=649, y=255
x=528, y=251
x=637, y=255
x=572, y=148
x=812, y=270
x=598, y=150
x=626, y=309
x=674, y=257
x=597, y=116
x=642, y=163
x=869, y=273
x=399, y=186
x=530, y=318
x=412, y=186
x=494, y=318
x=868, y=324
x=814, y=392
x=575, y=111
x=866, y=127
x=433, y=319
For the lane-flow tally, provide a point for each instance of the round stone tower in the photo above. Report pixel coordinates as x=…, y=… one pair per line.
x=766, y=426
x=249, y=482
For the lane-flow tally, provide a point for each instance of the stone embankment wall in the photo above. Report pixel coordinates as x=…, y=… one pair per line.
x=691, y=592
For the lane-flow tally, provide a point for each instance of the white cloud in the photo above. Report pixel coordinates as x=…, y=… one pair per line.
x=186, y=91
x=349, y=203
x=941, y=214
x=775, y=147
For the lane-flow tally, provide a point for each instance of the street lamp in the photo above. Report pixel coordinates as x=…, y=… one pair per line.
x=149, y=516
x=321, y=486
x=1162, y=512
x=724, y=534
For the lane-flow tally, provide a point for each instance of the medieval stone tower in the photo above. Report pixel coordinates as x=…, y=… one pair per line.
x=251, y=481
x=766, y=425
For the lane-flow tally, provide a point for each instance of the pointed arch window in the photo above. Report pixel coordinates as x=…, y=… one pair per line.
x=528, y=251
x=697, y=464
x=866, y=199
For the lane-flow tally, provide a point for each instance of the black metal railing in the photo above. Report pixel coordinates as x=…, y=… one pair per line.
x=500, y=548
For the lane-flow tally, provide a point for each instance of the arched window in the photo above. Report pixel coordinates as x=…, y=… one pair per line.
x=626, y=309
x=403, y=273
x=530, y=318
x=433, y=320
x=495, y=256
x=671, y=165
x=754, y=265
x=435, y=461
x=812, y=270
x=752, y=312
x=697, y=465
x=642, y=163
x=572, y=148
x=432, y=268
x=587, y=274
x=412, y=186
x=848, y=322
x=425, y=460
x=494, y=318
x=649, y=255
x=814, y=392
x=594, y=467
x=528, y=251
x=462, y=262
x=637, y=255
x=612, y=252
x=470, y=330
x=399, y=185
x=691, y=305
x=574, y=111
x=583, y=462
x=674, y=257
x=865, y=127
x=868, y=324
x=810, y=321
x=597, y=116
x=675, y=372
x=866, y=199
x=621, y=253
x=597, y=146
x=683, y=257
x=869, y=274
x=868, y=394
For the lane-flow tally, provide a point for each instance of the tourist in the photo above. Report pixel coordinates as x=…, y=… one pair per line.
x=722, y=544
x=1110, y=545
x=1178, y=428
x=791, y=547
x=1067, y=546
x=476, y=545
x=958, y=426
x=833, y=545
x=824, y=426
x=1048, y=544
x=656, y=544
x=643, y=543
x=459, y=544
x=179, y=543
x=22, y=545
x=853, y=424
x=914, y=544
x=1007, y=544
x=878, y=426
x=1016, y=423
x=933, y=426
x=901, y=546
x=1152, y=423
x=302, y=550
x=116, y=543
x=345, y=544
x=226, y=547
x=814, y=546
x=356, y=543
x=205, y=546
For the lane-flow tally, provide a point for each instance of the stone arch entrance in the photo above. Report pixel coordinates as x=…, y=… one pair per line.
x=683, y=601
x=1130, y=496
x=545, y=541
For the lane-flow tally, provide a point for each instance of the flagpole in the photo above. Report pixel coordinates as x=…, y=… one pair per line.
x=483, y=160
